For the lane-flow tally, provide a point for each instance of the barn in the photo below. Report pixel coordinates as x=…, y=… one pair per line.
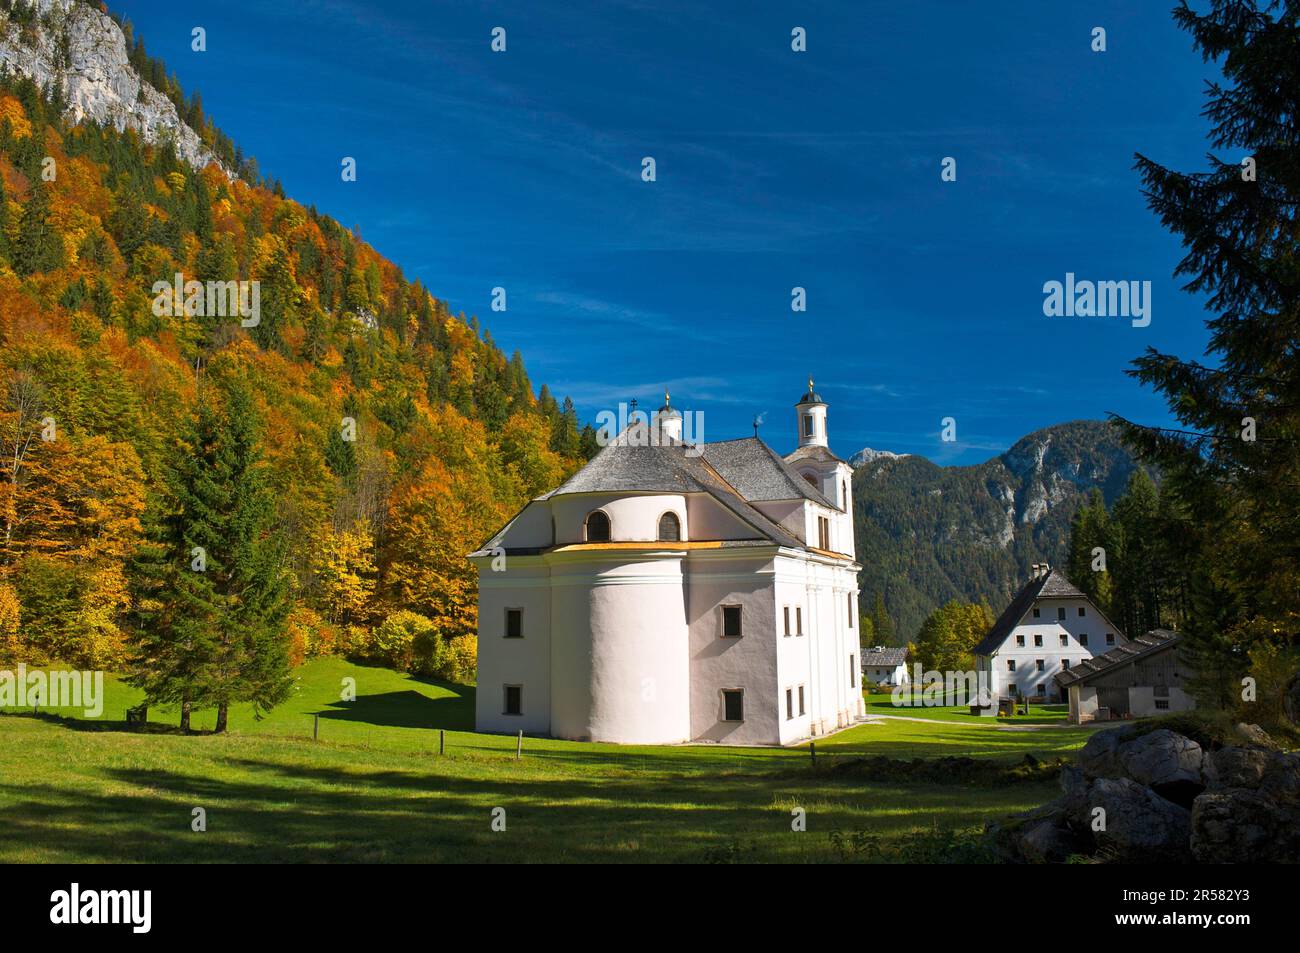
x=1146, y=676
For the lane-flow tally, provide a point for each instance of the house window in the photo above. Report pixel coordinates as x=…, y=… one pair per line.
x=1013, y=690
x=823, y=533
x=1040, y=666
x=733, y=704
x=1082, y=612
x=731, y=622
x=844, y=494
x=1037, y=613
x=514, y=699
x=1083, y=638
x=1110, y=638
x=801, y=707
x=1065, y=639
x=809, y=425
x=809, y=478
x=1042, y=688
x=514, y=623
x=1065, y=663
x=1020, y=641
x=798, y=620
x=1060, y=613
x=1011, y=665
x=1038, y=641
x=789, y=703
x=1162, y=704
x=670, y=528
x=849, y=600
x=786, y=612
x=597, y=527
x=853, y=671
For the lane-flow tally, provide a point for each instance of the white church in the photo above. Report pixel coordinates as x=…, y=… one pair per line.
x=673, y=592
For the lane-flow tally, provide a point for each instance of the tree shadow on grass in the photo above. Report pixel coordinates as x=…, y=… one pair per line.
x=407, y=709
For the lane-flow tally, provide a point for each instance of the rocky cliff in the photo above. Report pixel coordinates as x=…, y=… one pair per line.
x=72, y=44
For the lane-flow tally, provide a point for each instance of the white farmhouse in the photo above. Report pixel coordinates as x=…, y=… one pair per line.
x=883, y=665
x=671, y=592
x=1049, y=627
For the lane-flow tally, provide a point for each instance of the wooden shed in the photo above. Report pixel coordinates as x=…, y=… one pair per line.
x=1147, y=676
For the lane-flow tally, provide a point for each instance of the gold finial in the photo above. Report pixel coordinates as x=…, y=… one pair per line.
x=810, y=384
x=666, y=397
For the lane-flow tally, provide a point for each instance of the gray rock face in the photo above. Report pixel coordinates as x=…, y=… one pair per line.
x=1235, y=768
x=86, y=51
x=1240, y=826
x=1165, y=762
x=1100, y=755
x=1140, y=825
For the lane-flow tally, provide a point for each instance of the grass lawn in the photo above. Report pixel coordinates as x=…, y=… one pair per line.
x=883, y=704
x=374, y=787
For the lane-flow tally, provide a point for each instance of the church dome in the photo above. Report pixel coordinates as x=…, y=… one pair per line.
x=812, y=397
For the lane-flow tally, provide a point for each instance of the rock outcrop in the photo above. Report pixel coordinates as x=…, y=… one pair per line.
x=1139, y=796
x=74, y=45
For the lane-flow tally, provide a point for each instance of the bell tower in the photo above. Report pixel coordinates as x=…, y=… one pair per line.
x=811, y=419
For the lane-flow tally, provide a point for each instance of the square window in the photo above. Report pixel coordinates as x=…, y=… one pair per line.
x=1040, y=666
x=733, y=704
x=1065, y=663
x=731, y=622
x=1065, y=639
x=801, y=708
x=1038, y=641
x=1083, y=639
x=1020, y=641
x=1011, y=665
x=1110, y=638
x=514, y=623
x=789, y=703
x=1037, y=613
x=514, y=699
x=1082, y=612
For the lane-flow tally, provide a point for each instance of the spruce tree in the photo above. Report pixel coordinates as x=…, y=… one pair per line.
x=1233, y=463
x=39, y=246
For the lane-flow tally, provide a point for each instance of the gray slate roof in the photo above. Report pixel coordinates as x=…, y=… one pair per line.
x=759, y=472
x=813, y=452
x=884, y=657
x=1053, y=585
x=1157, y=640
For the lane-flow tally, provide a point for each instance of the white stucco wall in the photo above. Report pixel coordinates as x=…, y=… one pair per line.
x=525, y=661
x=1026, y=676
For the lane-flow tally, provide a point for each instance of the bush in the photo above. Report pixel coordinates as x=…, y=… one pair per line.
x=310, y=636
x=405, y=640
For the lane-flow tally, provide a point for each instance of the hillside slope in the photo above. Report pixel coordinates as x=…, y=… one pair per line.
x=927, y=534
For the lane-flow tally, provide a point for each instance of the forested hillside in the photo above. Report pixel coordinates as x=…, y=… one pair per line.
x=928, y=534
x=392, y=436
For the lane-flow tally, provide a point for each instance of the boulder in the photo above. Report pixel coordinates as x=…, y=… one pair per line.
x=1240, y=826
x=1140, y=825
x=1235, y=768
x=1166, y=762
x=1042, y=835
x=1099, y=757
x=1254, y=736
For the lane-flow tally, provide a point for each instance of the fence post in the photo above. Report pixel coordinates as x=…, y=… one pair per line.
x=442, y=741
x=315, y=728
x=812, y=749
x=519, y=746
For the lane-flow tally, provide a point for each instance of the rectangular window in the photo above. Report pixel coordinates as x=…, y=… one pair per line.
x=1040, y=666
x=1011, y=665
x=1162, y=704
x=1013, y=690
x=789, y=703
x=853, y=671
x=514, y=700
x=850, y=602
x=1065, y=639
x=1020, y=641
x=514, y=623
x=1082, y=612
x=733, y=704
x=786, y=612
x=731, y=622
x=798, y=620
x=801, y=707
x=1060, y=613
x=1065, y=663
x=1038, y=641
x=1037, y=613
x=1110, y=638
x=1042, y=688
x=809, y=425
x=1083, y=638
x=823, y=533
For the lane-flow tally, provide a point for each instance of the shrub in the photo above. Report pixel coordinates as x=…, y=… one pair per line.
x=405, y=640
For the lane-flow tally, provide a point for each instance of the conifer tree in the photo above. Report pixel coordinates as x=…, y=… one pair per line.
x=38, y=246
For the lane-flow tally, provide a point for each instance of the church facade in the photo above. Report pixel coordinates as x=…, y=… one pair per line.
x=672, y=592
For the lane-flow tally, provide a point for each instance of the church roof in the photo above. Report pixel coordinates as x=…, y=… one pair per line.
x=814, y=452
x=759, y=472
x=1051, y=585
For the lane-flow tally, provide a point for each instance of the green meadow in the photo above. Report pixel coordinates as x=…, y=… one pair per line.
x=374, y=787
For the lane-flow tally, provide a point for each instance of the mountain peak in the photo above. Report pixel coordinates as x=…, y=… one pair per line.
x=867, y=455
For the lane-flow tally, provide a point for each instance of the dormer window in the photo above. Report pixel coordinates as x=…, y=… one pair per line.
x=597, y=527
x=810, y=478
x=670, y=528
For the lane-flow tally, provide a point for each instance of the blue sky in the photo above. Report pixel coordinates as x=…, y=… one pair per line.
x=775, y=169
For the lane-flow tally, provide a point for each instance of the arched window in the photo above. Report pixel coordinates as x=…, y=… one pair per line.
x=810, y=478
x=597, y=527
x=670, y=528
